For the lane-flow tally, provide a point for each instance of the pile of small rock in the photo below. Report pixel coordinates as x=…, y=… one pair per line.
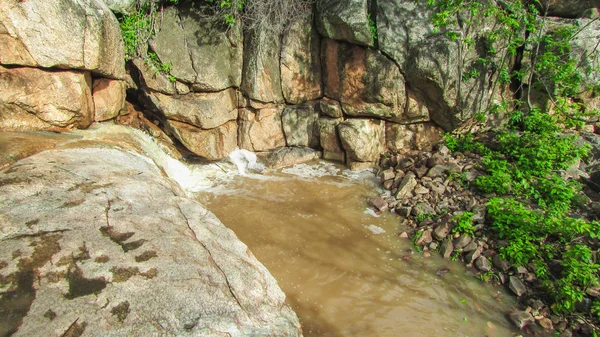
x=427, y=190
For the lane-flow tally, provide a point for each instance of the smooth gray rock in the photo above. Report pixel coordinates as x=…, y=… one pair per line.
x=516, y=285
x=407, y=184
x=521, y=318
x=108, y=245
x=483, y=264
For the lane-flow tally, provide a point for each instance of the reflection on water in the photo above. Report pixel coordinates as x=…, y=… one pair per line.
x=345, y=271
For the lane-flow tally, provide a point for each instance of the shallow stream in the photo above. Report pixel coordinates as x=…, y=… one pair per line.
x=344, y=269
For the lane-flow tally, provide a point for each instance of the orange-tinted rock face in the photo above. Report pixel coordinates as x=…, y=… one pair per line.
x=36, y=99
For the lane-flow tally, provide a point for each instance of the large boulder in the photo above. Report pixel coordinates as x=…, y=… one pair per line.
x=330, y=140
x=365, y=81
x=435, y=66
x=212, y=144
x=260, y=130
x=301, y=62
x=300, y=125
x=69, y=34
x=36, y=99
x=204, y=110
x=362, y=139
x=106, y=245
x=203, y=51
x=123, y=6
x=261, y=79
x=346, y=20
x=109, y=98
x=402, y=138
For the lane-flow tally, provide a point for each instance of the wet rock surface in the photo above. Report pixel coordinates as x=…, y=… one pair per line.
x=97, y=241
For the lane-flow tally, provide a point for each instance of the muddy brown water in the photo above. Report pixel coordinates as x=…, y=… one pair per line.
x=345, y=271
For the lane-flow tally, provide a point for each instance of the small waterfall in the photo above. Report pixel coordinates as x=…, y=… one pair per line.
x=244, y=159
x=192, y=178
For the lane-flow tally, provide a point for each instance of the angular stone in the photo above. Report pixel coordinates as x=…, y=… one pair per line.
x=473, y=255
x=122, y=6
x=330, y=108
x=546, y=323
x=301, y=62
x=261, y=78
x=462, y=241
x=403, y=211
x=36, y=99
x=447, y=249
x=379, y=203
x=330, y=140
x=516, y=285
x=483, y=264
x=500, y=263
x=212, y=144
x=521, y=318
x=203, y=110
x=344, y=20
x=365, y=82
x=407, y=184
x=35, y=34
x=470, y=247
x=126, y=247
x=362, y=139
x=442, y=230
x=260, y=130
x=300, y=125
x=401, y=138
x=437, y=171
x=422, y=208
x=425, y=238
x=109, y=98
x=387, y=174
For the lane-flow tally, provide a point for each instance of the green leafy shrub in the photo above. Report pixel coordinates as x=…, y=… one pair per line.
x=464, y=224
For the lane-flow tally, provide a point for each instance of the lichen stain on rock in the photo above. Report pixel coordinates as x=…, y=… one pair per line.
x=121, y=311
x=32, y=223
x=16, y=302
x=120, y=238
x=102, y=259
x=51, y=315
x=123, y=274
x=87, y=188
x=81, y=286
x=72, y=203
x=145, y=256
x=3, y=264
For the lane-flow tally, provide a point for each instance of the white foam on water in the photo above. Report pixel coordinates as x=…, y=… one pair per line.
x=375, y=229
x=192, y=178
x=322, y=169
x=244, y=159
x=371, y=212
